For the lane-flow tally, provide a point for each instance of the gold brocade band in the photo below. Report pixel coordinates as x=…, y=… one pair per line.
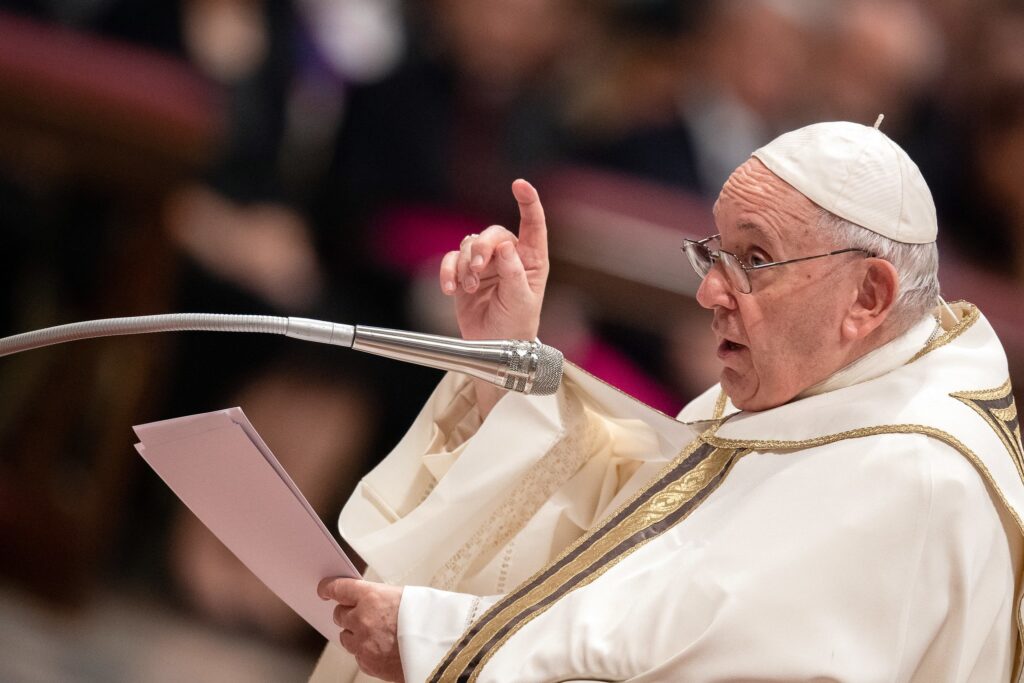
x=997, y=407
x=668, y=500
x=969, y=316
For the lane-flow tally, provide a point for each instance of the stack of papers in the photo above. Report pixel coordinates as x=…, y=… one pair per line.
x=220, y=468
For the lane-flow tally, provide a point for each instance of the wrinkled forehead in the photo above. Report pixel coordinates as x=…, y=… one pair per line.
x=753, y=196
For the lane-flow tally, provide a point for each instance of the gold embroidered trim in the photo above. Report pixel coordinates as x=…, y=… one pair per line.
x=945, y=437
x=662, y=504
x=1007, y=414
x=719, y=405
x=970, y=317
x=564, y=459
x=1000, y=419
x=686, y=452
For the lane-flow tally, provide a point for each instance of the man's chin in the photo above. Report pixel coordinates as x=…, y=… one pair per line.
x=735, y=388
x=749, y=401
x=744, y=396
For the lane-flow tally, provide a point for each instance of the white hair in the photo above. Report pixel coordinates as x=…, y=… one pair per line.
x=917, y=265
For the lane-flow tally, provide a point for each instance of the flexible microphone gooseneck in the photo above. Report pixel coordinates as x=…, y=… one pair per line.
x=528, y=367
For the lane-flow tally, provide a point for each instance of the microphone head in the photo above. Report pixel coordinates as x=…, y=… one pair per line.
x=548, y=374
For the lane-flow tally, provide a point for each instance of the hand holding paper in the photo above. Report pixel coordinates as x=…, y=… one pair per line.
x=367, y=614
x=220, y=468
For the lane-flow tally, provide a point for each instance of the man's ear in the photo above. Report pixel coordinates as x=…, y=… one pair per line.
x=876, y=295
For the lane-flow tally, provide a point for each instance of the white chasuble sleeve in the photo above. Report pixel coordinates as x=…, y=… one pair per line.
x=430, y=622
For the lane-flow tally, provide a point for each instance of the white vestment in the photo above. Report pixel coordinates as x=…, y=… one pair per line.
x=868, y=531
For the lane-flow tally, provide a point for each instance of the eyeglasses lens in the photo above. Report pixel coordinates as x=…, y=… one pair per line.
x=734, y=271
x=699, y=257
x=702, y=258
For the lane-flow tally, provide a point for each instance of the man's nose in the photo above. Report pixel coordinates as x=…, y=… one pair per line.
x=715, y=290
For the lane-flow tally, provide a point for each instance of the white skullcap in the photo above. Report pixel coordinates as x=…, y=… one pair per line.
x=859, y=174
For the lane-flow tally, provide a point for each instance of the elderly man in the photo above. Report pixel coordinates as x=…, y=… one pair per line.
x=845, y=505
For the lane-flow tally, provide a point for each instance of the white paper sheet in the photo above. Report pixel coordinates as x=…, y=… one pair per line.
x=218, y=465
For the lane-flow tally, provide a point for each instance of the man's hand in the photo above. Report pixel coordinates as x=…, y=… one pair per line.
x=498, y=280
x=367, y=614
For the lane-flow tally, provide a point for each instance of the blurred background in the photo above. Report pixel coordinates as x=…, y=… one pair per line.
x=316, y=158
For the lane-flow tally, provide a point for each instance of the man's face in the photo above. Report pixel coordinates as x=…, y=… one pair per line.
x=784, y=336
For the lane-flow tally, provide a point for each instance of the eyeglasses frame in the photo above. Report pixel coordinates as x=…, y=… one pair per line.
x=717, y=255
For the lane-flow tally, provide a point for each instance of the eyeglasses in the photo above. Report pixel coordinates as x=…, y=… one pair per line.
x=703, y=258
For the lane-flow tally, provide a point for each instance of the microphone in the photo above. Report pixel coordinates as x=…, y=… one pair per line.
x=528, y=367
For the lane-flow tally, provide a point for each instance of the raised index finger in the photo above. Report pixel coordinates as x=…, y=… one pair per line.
x=533, y=228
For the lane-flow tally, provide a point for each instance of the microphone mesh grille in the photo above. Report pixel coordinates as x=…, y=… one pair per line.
x=549, y=371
